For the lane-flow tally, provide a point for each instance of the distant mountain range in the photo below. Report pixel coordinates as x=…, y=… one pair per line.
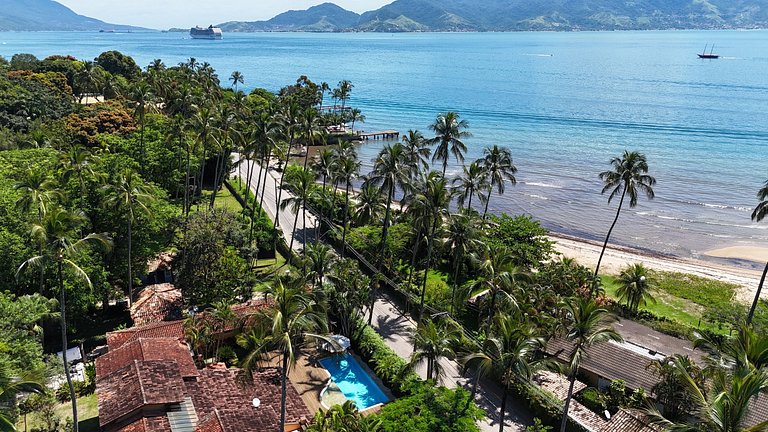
x=48, y=15
x=518, y=15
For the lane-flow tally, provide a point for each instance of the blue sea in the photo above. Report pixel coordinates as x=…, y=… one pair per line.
x=565, y=103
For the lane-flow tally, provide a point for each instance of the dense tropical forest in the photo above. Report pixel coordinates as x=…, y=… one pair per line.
x=104, y=165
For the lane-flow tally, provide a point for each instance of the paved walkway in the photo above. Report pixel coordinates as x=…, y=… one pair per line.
x=388, y=321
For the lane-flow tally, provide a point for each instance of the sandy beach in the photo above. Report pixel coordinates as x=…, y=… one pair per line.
x=615, y=258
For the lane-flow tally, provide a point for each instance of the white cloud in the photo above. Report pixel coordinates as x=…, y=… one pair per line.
x=163, y=14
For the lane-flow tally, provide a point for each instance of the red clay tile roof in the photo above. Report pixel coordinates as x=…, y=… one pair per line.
x=757, y=411
x=147, y=349
x=147, y=424
x=168, y=329
x=210, y=424
x=160, y=302
x=162, y=261
x=231, y=396
x=140, y=383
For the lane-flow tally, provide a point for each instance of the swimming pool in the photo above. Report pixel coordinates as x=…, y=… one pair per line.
x=353, y=381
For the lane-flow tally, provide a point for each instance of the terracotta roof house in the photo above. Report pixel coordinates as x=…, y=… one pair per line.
x=155, y=303
x=148, y=382
x=166, y=329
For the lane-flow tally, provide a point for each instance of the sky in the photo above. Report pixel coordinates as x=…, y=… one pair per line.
x=164, y=14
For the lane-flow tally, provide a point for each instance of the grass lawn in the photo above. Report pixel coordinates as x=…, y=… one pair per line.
x=683, y=298
x=225, y=200
x=87, y=412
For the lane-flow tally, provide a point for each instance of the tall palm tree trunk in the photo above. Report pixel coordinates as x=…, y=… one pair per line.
x=202, y=170
x=346, y=221
x=293, y=236
x=187, y=204
x=282, y=177
x=283, y=385
x=564, y=421
x=757, y=295
x=319, y=222
x=503, y=408
x=413, y=257
x=485, y=212
x=130, y=273
x=455, y=280
x=63, y=321
x=491, y=308
x=605, y=243
x=430, y=246
x=469, y=204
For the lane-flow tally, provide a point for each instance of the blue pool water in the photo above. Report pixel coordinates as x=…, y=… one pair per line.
x=353, y=381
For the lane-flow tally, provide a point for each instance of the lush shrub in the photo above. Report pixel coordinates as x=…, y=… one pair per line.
x=523, y=236
x=430, y=409
x=388, y=366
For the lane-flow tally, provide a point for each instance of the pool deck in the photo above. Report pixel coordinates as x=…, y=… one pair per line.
x=309, y=378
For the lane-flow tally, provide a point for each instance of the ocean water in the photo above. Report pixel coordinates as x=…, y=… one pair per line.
x=565, y=103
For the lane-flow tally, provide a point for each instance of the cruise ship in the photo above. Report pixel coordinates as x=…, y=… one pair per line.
x=205, y=33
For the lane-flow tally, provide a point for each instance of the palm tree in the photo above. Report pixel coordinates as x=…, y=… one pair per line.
x=390, y=170
x=510, y=349
x=130, y=196
x=287, y=326
x=223, y=319
x=11, y=385
x=39, y=192
x=499, y=167
x=433, y=340
x=758, y=215
x=435, y=199
x=720, y=406
x=589, y=324
x=472, y=181
x=323, y=165
x=449, y=131
x=635, y=286
x=348, y=168
x=301, y=183
x=78, y=162
x=499, y=277
x=320, y=259
x=369, y=204
x=462, y=236
x=344, y=89
x=344, y=417
x=628, y=176
x=142, y=95
x=312, y=131
x=355, y=115
x=237, y=78
x=61, y=248
x=417, y=151
x=671, y=392
x=88, y=78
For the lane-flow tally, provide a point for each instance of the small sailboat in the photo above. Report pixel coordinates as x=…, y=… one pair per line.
x=708, y=55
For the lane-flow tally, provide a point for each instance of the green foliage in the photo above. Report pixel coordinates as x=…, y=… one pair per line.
x=523, y=236
x=210, y=265
x=538, y=426
x=700, y=290
x=430, y=409
x=117, y=63
x=389, y=367
x=20, y=335
x=94, y=120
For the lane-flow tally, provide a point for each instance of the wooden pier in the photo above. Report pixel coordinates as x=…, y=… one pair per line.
x=387, y=134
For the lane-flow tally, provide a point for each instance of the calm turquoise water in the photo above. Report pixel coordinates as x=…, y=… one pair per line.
x=564, y=102
x=353, y=381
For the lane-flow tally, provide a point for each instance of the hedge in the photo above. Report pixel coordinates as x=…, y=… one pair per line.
x=393, y=371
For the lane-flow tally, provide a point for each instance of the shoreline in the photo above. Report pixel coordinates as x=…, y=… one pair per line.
x=586, y=252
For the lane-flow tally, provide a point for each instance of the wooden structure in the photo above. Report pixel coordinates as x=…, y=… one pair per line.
x=387, y=134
